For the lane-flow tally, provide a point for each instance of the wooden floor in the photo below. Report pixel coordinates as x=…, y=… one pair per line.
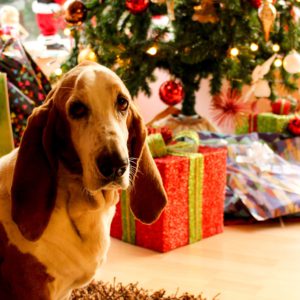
x=245, y=262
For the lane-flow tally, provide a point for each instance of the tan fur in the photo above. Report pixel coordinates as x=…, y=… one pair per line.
x=75, y=240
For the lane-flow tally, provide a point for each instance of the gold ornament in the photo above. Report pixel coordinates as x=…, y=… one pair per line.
x=205, y=12
x=267, y=15
x=158, y=1
x=87, y=54
x=170, y=7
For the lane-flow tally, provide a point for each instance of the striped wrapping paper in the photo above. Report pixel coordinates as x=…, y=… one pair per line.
x=195, y=186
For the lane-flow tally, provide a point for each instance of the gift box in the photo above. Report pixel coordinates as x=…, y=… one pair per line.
x=263, y=122
x=195, y=186
x=6, y=135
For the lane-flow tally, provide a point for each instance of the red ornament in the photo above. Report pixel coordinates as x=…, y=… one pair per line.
x=76, y=13
x=228, y=107
x=171, y=92
x=257, y=3
x=294, y=126
x=136, y=6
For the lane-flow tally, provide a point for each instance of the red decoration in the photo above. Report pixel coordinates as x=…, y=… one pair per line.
x=171, y=230
x=166, y=132
x=257, y=3
x=227, y=108
x=281, y=107
x=137, y=6
x=76, y=13
x=294, y=126
x=171, y=92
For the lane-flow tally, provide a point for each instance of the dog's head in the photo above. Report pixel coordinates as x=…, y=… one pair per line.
x=90, y=125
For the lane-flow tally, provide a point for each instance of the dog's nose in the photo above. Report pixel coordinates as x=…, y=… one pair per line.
x=112, y=165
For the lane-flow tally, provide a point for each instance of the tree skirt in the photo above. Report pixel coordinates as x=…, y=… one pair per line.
x=107, y=291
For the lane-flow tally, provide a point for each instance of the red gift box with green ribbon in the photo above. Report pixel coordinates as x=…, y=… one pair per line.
x=195, y=186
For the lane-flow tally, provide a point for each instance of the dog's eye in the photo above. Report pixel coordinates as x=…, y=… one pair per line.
x=78, y=110
x=122, y=103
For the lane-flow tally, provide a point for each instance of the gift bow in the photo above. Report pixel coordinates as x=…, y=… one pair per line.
x=186, y=141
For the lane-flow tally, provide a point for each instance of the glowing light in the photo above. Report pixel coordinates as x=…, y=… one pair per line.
x=276, y=47
x=58, y=72
x=278, y=62
x=253, y=47
x=67, y=31
x=234, y=51
x=152, y=50
x=92, y=56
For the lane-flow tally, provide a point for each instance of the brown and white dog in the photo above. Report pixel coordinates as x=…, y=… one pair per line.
x=59, y=189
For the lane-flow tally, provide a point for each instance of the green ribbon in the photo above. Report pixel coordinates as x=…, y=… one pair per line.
x=128, y=222
x=157, y=145
x=196, y=173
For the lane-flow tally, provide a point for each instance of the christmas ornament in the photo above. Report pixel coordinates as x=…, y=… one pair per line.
x=281, y=106
x=205, y=12
x=87, y=54
x=267, y=15
x=291, y=62
x=257, y=3
x=262, y=89
x=170, y=7
x=171, y=92
x=136, y=6
x=158, y=1
x=75, y=12
x=228, y=107
x=294, y=126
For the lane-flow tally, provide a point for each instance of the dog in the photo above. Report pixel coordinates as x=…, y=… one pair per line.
x=59, y=189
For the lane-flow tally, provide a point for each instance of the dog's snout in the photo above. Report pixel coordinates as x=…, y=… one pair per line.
x=112, y=165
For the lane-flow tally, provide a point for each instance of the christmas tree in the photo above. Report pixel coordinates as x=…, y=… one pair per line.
x=218, y=40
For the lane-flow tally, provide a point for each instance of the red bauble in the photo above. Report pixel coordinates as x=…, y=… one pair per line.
x=257, y=3
x=171, y=92
x=294, y=126
x=76, y=13
x=136, y=6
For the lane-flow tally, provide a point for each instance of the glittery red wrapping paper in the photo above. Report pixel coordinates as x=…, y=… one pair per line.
x=116, y=225
x=171, y=230
x=213, y=190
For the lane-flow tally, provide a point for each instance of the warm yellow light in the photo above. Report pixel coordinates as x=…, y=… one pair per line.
x=92, y=56
x=276, y=47
x=253, y=47
x=278, y=62
x=58, y=72
x=234, y=51
x=67, y=31
x=152, y=50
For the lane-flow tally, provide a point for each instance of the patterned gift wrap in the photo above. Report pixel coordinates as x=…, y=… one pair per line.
x=264, y=122
x=195, y=186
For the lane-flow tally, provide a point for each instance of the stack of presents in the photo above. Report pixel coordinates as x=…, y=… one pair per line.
x=23, y=86
x=251, y=175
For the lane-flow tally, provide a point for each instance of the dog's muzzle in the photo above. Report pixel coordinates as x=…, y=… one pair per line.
x=112, y=165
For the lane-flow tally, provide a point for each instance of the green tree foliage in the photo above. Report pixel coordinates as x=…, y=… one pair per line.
x=120, y=40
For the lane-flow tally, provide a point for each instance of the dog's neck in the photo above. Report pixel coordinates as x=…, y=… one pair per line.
x=85, y=209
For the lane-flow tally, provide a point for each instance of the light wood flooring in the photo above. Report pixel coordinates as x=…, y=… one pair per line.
x=257, y=262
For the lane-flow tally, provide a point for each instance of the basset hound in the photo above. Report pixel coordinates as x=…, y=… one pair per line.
x=59, y=189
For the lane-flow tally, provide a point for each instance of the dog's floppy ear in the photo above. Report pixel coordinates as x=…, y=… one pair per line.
x=33, y=189
x=147, y=194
